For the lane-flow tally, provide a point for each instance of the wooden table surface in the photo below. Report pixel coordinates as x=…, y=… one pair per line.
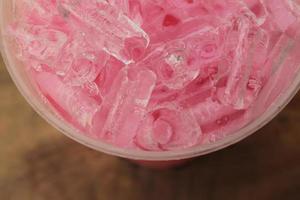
x=39, y=163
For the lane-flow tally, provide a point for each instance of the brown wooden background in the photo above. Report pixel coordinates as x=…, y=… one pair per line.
x=39, y=163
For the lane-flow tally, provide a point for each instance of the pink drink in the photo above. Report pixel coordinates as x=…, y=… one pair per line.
x=159, y=75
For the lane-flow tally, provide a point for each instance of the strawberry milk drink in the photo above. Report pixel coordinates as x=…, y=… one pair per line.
x=156, y=79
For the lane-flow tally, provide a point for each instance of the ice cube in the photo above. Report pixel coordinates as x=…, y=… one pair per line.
x=214, y=117
x=250, y=82
x=179, y=62
x=73, y=100
x=210, y=111
x=196, y=92
x=120, y=36
x=281, y=67
x=131, y=8
x=167, y=127
x=86, y=67
x=281, y=13
x=124, y=107
x=108, y=75
x=248, y=57
x=258, y=8
x=39, y=42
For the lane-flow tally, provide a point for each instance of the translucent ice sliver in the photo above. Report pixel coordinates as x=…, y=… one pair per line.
x=120, y=36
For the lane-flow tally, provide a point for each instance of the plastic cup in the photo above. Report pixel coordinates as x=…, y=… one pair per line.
x=19, y=75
